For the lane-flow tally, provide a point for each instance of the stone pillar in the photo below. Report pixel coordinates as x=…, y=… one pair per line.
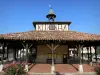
x=80, y=62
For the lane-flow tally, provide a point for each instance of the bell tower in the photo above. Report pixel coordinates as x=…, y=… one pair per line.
x=51, y=16
x=51, y=24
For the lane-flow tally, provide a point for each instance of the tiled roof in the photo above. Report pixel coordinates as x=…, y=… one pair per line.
x=51, y=35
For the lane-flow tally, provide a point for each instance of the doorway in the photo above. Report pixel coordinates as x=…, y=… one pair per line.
x=65, y=58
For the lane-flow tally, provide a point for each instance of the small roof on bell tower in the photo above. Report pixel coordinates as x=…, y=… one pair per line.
x=51, y=14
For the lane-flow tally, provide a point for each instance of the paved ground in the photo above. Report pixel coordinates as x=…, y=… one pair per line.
x=60, y=68
x=41, y=68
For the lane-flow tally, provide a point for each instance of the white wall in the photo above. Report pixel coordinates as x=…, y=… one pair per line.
x=60, y=27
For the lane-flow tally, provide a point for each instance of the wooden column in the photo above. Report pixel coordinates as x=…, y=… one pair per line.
x=90, y=54
x=74, y=52
x=23, y=54
x=82, y=55
x=7, y=53
x=17, y=54
x=1, y=65
x=95, y=47
x=14, y=54
x=52, y=48
x=77, y=52
x=80, y=61
x=26, y=46
x=20, y=55
x=68, y=52
x=26, y=53
x=3, y=53
x=52, y=56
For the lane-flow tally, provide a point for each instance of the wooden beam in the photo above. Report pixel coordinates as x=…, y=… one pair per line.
x=49, y=47
x=55, y=47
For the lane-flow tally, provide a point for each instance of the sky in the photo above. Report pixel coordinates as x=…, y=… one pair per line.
x=18, y=15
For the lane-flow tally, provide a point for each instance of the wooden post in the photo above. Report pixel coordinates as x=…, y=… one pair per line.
x=91, y=54
x=17, y=54
x=26, y=60
x=23, y=54
x=1, y=65
x=95, y=47
x=7, y=54
x=68, y=56
x=52, y=48
x=14, y=53
x=3, y=52
x=26, y=53
x=82, y=55
x=68, y=52
x=80, y=61
x=88, y=54
x=77, y=52
x=26, y=46
x=53, y=69
x=20, y=55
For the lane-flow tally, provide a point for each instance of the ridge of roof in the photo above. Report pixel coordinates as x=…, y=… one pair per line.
x=50, y=31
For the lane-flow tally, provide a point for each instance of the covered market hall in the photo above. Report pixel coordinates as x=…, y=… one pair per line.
x=50, y=43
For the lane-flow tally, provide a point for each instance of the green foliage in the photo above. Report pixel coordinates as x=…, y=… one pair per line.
x=15, y=69
x=97, y=70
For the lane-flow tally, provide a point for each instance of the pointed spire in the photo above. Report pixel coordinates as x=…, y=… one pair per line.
x=51, y=14
x=51, y=11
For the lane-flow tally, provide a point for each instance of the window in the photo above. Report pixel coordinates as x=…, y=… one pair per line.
x=52, y=27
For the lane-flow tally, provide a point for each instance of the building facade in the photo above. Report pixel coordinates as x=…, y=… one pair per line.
x=50, y=42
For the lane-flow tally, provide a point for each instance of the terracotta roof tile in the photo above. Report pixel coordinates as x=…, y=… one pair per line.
x=51, y=35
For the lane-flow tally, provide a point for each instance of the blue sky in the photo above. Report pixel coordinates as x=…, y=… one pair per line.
x=18, y=15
